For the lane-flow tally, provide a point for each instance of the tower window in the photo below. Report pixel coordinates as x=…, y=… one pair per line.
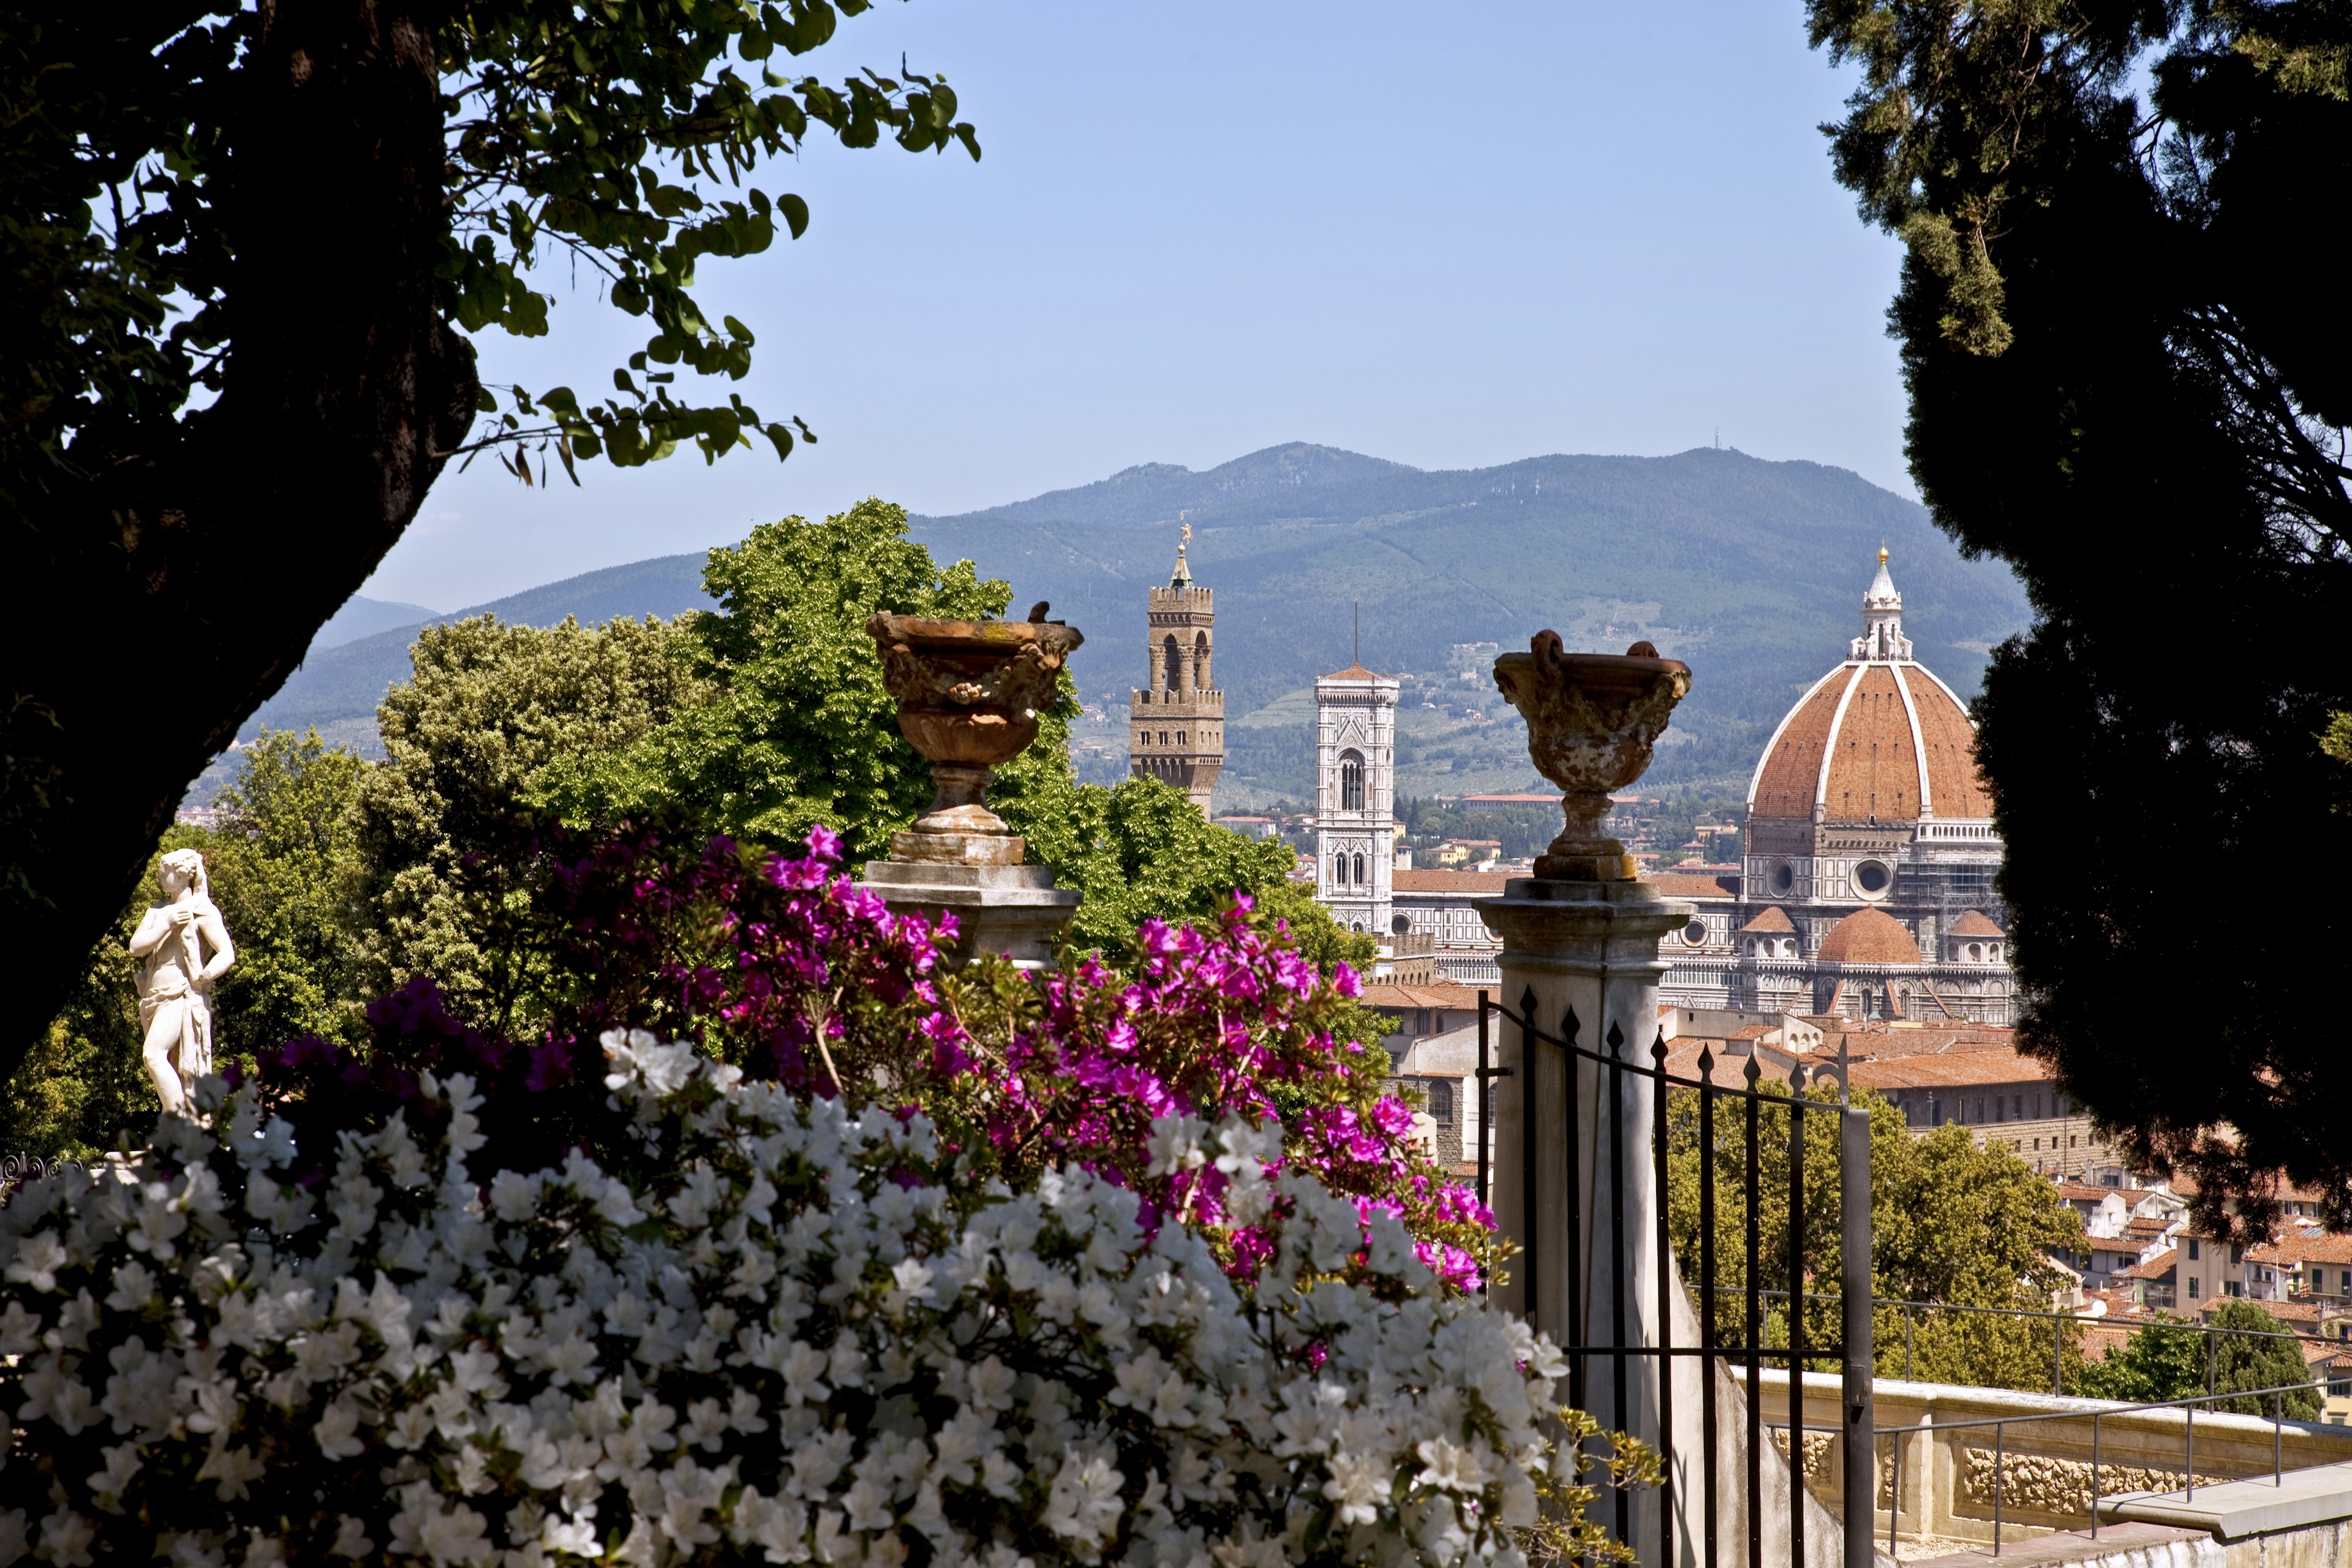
x=1359, y=871
x=1179, y=737
x=1340, y=870
x=1351, y=781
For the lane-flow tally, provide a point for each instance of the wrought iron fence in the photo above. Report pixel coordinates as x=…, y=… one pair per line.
x=1724, y=1350
x=18, y=1169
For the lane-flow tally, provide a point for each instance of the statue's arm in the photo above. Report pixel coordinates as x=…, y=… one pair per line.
x=153, y=926
x=224, y=952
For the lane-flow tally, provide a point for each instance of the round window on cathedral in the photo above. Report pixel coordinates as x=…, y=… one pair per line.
x=1784, y=876
x=1872, y=877
x=1695, y=933
x=1400, y=924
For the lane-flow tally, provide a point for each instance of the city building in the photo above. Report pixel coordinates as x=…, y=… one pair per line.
x=1865, y=890
x=1355, y=797
x=1177, y=717
x=1441, y=905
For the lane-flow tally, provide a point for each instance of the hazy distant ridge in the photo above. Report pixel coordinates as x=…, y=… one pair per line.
x=1753, y=571
x=345, y=682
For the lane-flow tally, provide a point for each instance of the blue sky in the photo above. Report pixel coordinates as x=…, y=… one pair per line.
x=1449, y=235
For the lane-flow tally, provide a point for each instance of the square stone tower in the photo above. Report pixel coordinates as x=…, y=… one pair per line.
x=1177, y=717
x=1355, y=797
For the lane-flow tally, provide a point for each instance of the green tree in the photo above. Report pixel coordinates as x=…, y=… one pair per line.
x=244, y=249
x=1952, y=1224
x=2171, y=1360
x=284, y=867
x=759, y=720
x=2124, y=383
x=797, y=730
x=791, y=726
x=488, y=710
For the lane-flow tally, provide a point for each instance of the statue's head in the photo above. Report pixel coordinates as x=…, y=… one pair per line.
x=181, y=870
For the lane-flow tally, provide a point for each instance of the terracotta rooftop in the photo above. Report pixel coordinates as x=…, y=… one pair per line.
x=1938, y=1038
x=2319, y=1247
x=2156, y=1268
x=1687, y=885
x=1438, y=881
x=1974, y=924
x=1872, y=739
x=1353, y=672
x=1869, y=935
x=1387, y=995
x=1972, y=1069
x=2084, y=1191
x=1770, y=918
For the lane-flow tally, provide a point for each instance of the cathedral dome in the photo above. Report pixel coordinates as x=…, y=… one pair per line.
x=1878, y=738
x=1869, y=936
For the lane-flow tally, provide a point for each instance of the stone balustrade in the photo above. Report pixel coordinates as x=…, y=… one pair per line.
x=2041, y=1469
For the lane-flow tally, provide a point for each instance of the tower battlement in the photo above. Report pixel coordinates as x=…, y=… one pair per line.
x=1176, y=731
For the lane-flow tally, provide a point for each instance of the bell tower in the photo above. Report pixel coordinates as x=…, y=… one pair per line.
x=1355, y=797
x=1177, y=717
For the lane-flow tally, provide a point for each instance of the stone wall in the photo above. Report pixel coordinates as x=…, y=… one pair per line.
x=1947, y=1477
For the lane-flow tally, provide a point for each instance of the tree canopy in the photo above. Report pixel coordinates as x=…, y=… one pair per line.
x=2172, y=1359
x=244, y=250
x=757, y=720
x=1953, y=1223
x=2126, y=381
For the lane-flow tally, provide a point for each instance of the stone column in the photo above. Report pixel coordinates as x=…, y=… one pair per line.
x=1016, y=909
x=1573, y=1175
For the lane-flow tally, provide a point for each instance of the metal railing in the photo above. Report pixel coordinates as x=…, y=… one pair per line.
x=18, y=1169
x=2188, y=1404
x=2059, y=1322
x=1999, y=1424
x=1617, y=1079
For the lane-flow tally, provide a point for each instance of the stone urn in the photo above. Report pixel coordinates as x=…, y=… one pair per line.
x=969, y=695
x=1592, y=718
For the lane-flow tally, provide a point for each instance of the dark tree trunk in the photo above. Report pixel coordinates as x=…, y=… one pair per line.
x=170, y=590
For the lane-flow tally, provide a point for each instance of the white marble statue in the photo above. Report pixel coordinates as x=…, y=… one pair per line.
x=185, y=948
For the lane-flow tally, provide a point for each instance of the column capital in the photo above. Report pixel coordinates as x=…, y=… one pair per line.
x=1560, y=927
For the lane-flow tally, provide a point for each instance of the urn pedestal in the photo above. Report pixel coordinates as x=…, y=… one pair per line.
x=1012, y=909
x=1580, y=961
x=969, y=695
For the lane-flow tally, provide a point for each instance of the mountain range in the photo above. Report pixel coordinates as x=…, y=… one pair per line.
x=1752, y=570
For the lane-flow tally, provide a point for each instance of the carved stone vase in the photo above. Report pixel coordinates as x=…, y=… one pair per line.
x=969, y=695
x=1592, y=718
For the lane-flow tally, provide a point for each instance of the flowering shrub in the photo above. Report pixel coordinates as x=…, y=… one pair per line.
x=790, y=970
x=783, y=1331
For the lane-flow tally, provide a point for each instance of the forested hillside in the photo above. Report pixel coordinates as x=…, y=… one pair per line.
x=1752, y=570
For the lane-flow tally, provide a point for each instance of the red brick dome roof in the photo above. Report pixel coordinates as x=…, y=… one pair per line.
x=1869, y=936
x=1878, y=737
x=1974, y=923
